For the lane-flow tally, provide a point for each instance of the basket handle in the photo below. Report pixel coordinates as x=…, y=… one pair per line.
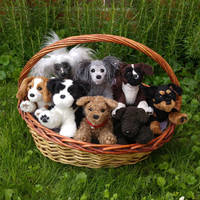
x=73, y=40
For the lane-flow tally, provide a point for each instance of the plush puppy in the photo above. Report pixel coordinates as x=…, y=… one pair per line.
x=163, y=100
x=60, y=63
x=99, y=74
x=34, y=89
x=130, y=126
x=62, y=115
x=97, y=123
x=127, y=87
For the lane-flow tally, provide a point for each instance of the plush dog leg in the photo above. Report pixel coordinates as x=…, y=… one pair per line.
x=107, y=138
x=145, y=135
x=145, y=107
x=155, y=127
x=47, y=118
x=68, y=129
x=86, y=137
x=178, y=118
x=27, y=106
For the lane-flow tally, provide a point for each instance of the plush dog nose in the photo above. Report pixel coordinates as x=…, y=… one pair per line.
x=98, y=77
x=96, y=116
x=32, y=95
x=62, y=96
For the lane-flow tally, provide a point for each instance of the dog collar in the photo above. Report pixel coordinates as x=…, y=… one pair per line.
x=92, y=126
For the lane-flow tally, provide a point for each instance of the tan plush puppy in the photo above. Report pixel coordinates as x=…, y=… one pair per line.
x=34, y=94
x=97, y=123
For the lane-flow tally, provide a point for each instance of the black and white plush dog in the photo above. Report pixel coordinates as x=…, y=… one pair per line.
x=60, y=63
x=99, y=74
x=62, y=115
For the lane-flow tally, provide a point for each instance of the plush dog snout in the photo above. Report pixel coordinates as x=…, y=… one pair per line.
x=98, y=77
x=62, y=96
x=96, y=116
x=32, y=95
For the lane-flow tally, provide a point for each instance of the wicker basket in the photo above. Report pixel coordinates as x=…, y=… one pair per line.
x=69, y=151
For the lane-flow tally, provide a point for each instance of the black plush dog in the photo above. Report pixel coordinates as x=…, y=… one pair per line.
x=130, y=126
x=163, y=100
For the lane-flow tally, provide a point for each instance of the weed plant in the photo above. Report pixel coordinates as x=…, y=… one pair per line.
x=171, y=28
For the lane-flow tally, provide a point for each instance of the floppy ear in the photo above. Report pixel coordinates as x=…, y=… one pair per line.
x=149, y=91
x=22, y=92
x=83, y=71
x=83, y=86
x=145, y=69
x=84, y=100
x=45, y=92
x=111, y=103
x=54, y=84
x=176, y=88
x=119, y=113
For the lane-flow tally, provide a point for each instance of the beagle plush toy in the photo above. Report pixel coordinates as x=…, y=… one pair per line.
x=34, y=94
x=163, y=100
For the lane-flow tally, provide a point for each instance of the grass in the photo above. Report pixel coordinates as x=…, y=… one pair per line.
x=171, y=28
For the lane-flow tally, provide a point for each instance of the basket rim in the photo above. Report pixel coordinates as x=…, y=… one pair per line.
x=48, y=134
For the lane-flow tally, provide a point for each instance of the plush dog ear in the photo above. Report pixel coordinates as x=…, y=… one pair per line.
x=111, y=103
x=142, y=116
x=149, y=91
x=54, y=85
x=83, y=86
x=45, y=92
x=176, y=88
x=84, y=100
x=119, y=113
x=22, y=92
x=83, y=71
x=145, y=69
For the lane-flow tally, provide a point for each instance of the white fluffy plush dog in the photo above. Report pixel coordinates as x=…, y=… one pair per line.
x=62, y=115
x=35, y=90
x=60, y=63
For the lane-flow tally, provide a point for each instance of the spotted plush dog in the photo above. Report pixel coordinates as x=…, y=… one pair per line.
x=163, y=100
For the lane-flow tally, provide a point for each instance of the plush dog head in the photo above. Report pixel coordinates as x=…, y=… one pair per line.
x=162, y=97
x=97, y=109
x=134, y=73
x=66, y=92
x=97, y=71
x=35, y=88
x=131, y=118
x=63, y=70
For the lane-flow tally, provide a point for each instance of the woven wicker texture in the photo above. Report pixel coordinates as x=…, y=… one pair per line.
x=69, y=151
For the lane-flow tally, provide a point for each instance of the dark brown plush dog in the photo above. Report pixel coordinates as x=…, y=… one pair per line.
x=130, y=126
x=163, y=100
x=128, y=81
x=97, y=123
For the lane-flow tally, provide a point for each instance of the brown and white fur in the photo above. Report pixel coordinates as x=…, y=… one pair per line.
x=34, y=94
x=97, y=123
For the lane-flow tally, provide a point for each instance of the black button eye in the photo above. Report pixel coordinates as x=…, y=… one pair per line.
x=62, y=96
x=90, y=109
x=102, y=110
x=39, y=88
x=30, y=87
x=92, y=70
x=102, y=70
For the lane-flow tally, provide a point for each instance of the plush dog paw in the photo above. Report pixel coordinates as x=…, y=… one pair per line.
x=120, y=105
x=110, y=139
x=155, y=127
x=38, y=112
x=44, y=118
x=27, y=106
x=148, y=109
x=81, y=137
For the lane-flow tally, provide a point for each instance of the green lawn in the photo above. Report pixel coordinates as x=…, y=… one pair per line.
x=169, y=173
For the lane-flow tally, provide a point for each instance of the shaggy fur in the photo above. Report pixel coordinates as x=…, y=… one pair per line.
x=97, y=123
x=99, y=74
x=163, y=100
x=60, y=63
x=130, y=125
x=35, y=90
x=62, y=115
x=127, y=87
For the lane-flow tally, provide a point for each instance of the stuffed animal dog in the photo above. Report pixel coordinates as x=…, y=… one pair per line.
x=35, y=90
x=163, y=100
x=60, y=63
x=130, y=126
x=99, y=74
x=97, y=123
x=127, y=87
x=62, y=115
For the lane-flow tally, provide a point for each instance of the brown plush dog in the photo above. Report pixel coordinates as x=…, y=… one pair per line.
x=97, y=123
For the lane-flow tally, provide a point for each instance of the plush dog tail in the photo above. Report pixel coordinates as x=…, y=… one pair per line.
x=51, y=38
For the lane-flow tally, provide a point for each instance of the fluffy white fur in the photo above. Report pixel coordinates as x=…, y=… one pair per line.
x=45, y=66
x=62, y=115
